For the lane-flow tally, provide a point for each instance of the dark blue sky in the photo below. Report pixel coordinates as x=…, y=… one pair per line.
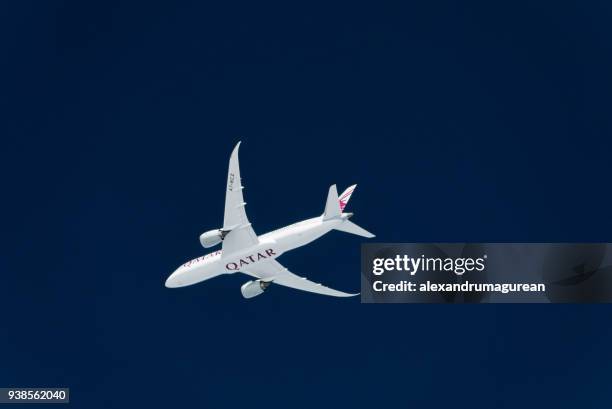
x=479, y=121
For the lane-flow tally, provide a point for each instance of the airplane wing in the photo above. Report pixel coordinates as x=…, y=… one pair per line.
x=241, y=234
x=272, y=270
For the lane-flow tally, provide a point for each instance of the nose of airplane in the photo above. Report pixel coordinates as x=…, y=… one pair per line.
x=173, y=280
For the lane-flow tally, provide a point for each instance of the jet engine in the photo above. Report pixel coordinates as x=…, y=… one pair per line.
x=211, y=238
x=252, y=288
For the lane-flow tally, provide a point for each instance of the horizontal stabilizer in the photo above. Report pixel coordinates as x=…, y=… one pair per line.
x=350, y=227
x=332, y=206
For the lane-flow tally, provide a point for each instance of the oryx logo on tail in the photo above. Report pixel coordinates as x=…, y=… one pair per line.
x=345, y=196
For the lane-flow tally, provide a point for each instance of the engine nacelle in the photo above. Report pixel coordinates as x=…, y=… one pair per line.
x=252, y=288
x=211, y=238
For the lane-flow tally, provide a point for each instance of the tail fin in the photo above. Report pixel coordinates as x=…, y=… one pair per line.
x=346, y=196
x=335, y=204
x=350, y=227
x=332, y=207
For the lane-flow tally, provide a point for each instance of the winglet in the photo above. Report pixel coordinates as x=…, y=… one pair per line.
x=235, y=151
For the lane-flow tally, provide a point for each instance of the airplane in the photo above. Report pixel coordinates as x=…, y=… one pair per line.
x=244, y=251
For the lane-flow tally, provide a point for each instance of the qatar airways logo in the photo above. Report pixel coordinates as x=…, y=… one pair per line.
x=253, y=258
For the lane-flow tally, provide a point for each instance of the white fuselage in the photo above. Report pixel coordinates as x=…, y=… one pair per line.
x=271, y=245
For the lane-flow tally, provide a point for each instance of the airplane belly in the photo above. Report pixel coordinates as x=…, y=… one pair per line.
x=301, y=238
